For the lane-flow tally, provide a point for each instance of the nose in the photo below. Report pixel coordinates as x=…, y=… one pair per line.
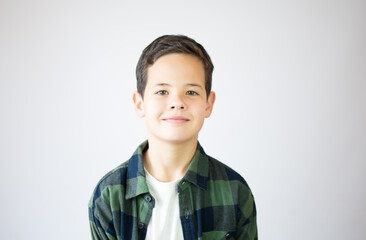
x=177, y=103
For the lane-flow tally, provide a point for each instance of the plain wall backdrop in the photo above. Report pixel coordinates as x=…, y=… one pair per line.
x=290, y=113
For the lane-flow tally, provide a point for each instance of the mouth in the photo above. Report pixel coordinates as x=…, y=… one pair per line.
x=176, y=120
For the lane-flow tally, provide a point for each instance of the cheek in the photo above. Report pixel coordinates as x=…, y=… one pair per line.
x=153, y=109
x=200, y=110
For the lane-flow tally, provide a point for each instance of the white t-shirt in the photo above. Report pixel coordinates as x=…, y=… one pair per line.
x=165, y=222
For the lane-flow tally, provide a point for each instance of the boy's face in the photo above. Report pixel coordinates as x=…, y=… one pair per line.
x=175, y=102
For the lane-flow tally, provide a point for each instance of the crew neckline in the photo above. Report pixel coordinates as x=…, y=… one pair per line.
x=152, y=179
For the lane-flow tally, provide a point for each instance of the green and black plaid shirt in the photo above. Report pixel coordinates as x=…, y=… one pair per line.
x=215, y=202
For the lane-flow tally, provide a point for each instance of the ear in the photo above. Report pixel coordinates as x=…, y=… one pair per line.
x=138, y=103
x=209, y=105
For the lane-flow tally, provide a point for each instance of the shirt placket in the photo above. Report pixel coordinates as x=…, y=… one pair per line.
x=146, y=203
x=186, y=211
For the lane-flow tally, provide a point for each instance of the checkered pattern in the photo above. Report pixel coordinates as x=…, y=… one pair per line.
x=215, y=202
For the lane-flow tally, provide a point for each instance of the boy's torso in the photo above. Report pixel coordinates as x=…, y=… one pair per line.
x=214, y=201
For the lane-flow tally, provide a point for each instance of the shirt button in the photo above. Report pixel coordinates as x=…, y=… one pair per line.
x=227, y=236
x=148, y=198
x=183, y=182
x=141, y=225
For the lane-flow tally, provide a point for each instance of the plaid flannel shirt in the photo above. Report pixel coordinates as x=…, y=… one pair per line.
x=215, y=202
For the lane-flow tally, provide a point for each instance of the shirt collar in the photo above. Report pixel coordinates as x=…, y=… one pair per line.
x=135, y=179
x=197, y=172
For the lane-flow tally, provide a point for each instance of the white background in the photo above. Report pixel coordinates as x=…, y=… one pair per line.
x=290, y=114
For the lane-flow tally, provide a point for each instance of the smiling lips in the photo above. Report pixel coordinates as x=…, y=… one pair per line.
x=176, y=120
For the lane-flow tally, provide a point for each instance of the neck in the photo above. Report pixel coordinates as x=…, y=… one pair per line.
x=168, y=161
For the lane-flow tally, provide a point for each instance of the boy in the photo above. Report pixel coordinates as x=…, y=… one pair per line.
x=169, y=188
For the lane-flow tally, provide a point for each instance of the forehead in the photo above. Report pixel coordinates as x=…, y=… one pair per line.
x=176, y=67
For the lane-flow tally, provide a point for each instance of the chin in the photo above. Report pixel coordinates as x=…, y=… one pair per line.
x=178, y=139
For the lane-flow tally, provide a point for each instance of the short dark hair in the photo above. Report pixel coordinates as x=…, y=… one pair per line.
x=172, y=44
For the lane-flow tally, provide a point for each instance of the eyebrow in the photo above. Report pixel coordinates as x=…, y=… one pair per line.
x=188, y=84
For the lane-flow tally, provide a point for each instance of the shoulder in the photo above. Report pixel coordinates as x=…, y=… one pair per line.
x=220, y=171
x=115, y=177
x=215, y=169
x=226, y=180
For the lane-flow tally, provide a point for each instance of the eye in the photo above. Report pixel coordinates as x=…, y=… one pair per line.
x=193, y=93
x=162, y=92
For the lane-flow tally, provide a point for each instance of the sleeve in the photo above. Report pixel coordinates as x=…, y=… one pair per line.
x=99, y=226
x=247, y=222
